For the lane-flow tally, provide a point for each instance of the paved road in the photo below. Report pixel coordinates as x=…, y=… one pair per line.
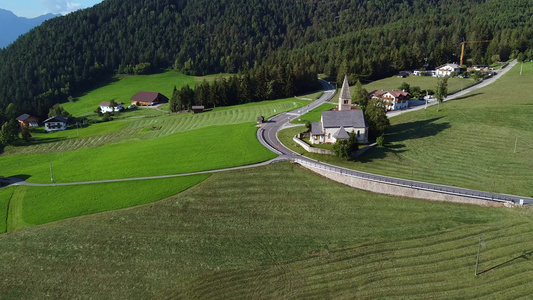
x=459, y=94
x=17, y=181
x=267, y=134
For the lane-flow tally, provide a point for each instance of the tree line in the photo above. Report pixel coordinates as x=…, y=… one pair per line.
x=258, y=84
x=68, y=55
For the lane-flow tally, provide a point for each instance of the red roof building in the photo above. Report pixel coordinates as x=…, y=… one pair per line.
x=148, y=98
x=394, y=100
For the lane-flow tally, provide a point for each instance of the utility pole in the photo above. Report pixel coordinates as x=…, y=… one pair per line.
x=515, y=144
x=480, y=239
x=426, y=100
x=481, y=243
x=521, y=67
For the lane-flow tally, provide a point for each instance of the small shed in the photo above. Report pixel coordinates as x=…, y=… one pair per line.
x=198, y=109
x=27, y=120
x=260, y=120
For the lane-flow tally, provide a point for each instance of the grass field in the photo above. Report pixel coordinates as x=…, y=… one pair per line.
x=141, y=128
x=5, y=195
x=42, y=205
x=468, y=143
x=313, y=115
x=190, y=151
x=424, y=82
x=122, y=87
x=273, y=232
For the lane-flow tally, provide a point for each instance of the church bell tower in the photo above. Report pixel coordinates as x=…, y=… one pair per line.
x=345, y=99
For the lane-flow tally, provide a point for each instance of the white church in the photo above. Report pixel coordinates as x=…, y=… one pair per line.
x=339, y=123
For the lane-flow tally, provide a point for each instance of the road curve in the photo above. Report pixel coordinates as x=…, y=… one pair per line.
x=267, y=135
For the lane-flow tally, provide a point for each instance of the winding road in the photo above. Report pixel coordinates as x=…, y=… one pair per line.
x=267, y=135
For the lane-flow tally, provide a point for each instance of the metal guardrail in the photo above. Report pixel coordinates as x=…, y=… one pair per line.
x=411, y=184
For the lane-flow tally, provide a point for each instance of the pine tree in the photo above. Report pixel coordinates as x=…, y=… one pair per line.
x=376, y=116
x=360, y=95
x=441, y=91
x=7, y=134
x=174, y=100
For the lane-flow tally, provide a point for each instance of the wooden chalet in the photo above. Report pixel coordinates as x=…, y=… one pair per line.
x=148, y=98
x=27, y=120
x=55, y=123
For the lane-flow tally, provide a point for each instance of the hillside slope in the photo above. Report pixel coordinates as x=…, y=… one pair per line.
x=67, y=54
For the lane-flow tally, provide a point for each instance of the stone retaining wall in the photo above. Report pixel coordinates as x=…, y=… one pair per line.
x=311, y=149
x=398, y=191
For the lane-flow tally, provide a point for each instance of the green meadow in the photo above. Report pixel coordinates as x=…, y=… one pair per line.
x=424, y=82
x=277, y=231
x=128, y=147
x=313, y=115
x=146, y=128
x=122, y=87
x=201, y=149
x=5, y=195
x=30, y=206
x=470, y=142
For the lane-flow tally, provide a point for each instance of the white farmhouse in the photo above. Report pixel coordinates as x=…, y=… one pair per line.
x=55, y=123
x=106, y=107
x=338, y=124
x=447, y=69
x=394, y=100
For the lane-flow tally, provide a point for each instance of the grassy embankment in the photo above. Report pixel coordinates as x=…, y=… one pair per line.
x=273, y=232
x=469, y=142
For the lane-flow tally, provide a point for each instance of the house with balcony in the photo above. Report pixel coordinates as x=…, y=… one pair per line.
x=55, y=123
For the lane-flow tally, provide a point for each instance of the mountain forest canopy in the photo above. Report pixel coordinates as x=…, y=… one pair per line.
x=365, y=39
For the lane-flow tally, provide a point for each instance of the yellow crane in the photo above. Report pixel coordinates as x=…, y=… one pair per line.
x=469, y=42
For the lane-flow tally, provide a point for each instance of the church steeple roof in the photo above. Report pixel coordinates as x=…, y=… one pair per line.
x=345, y=99
x=345, y=91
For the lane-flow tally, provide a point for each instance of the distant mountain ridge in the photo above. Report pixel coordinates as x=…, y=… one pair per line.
x=14, y=26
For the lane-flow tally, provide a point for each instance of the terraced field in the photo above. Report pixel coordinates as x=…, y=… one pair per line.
x=470, y=142
x=151, y=128
x=435, y=266
x=278, y=231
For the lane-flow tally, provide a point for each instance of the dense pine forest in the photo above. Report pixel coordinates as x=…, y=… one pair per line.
x=365, y=39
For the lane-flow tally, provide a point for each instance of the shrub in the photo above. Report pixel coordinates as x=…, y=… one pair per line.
x=380, y=140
